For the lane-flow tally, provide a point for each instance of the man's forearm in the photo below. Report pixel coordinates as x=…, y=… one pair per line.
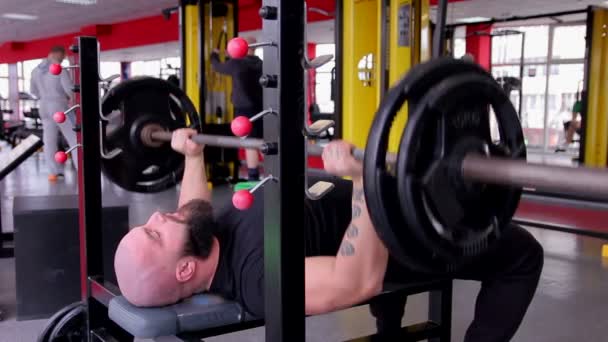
x=218, y=65
x=194, y=183
x=34, y=88
x=66, y=84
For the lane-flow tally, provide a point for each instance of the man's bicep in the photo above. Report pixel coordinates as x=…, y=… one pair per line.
x=362, y=256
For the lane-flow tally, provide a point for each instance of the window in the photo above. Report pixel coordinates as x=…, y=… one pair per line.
x=552, y=102
x=569, y=42
x=161, y=68
x=536, y=71
x=323, y=84
x=505, y=71
x=460, y=42
x=532, y=102
x=564, y=88
x=260, y=53
x=533, y=109
x=551, y=81
x=554, y=69
x=26, y=74
x=20, y=75
x=170, y=66
x=108, y=69
x=460, y=47
x=146, y=68
x=3, y=84
x=507, y=49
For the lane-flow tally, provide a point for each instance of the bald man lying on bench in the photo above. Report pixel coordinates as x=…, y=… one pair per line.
x=193, y=250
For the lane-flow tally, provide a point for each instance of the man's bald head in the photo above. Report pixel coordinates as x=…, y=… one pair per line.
x=145, y=277
x=161, y=262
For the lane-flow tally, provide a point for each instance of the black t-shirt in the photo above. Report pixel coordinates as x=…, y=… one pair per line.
x=240, y=272
x=246, y=73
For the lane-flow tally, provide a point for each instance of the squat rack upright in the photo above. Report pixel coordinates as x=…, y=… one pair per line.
x=284, y=222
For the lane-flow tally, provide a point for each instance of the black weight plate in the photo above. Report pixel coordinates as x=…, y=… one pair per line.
x=457, y=219
x=141, y=101
x=71, y=327
x=380, y=183
x=52, y=322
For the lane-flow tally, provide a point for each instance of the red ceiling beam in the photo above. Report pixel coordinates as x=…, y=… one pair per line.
x=96, y=30
x=12, y=52
x=145, y=31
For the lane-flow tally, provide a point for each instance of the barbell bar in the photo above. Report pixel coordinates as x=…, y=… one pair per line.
x=247, y=143
x=474, y=167
x=501, y=171
x=214, y=140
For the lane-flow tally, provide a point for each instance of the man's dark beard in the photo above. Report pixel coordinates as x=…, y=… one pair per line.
x=201, y=226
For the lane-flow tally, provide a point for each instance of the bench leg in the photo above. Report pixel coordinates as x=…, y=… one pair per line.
x=388, y=312
x=440, y=311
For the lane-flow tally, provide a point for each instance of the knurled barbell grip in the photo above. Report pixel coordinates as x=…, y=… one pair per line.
x=259, y=144
x=519, y=173
x=215, y=140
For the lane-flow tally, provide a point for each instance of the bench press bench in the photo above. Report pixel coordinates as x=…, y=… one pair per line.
x=206, y=315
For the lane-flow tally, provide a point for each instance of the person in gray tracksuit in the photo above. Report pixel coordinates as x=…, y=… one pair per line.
x=54, y=93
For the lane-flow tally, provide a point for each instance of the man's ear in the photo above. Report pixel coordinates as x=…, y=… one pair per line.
x=185, y=269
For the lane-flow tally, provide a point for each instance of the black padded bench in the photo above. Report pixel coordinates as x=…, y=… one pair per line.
x=206, y=315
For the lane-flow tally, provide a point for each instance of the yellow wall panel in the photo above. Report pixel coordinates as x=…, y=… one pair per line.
x=191, y=65
x=360, y=68
x=596, y=130
x=219, y=87
x=425, y=31
x=400, y=57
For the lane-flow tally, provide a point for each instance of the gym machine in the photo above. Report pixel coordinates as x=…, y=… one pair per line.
x=206, y=25
x=457, y=188
x=90, y=319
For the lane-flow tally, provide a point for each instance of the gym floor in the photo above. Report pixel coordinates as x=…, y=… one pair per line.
x=570, y=304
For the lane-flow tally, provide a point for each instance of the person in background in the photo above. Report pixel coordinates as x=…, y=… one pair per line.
x=468, y=57
x=54, y=93
x=246, y=95
x=173, y=79
x=574, y=125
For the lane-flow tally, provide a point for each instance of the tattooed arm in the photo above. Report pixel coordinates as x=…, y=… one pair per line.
x=357, y=271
